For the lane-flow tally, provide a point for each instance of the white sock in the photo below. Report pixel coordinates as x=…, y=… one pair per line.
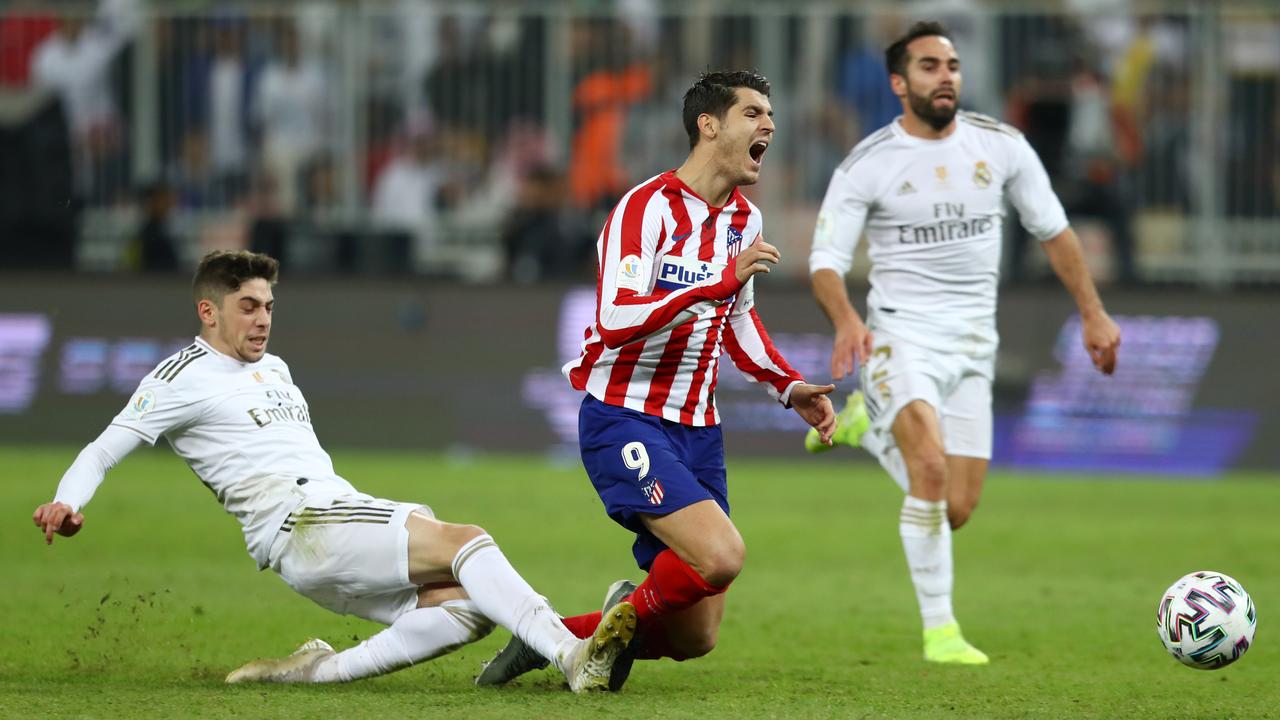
x=926, y=539
x=418, y=635
x=890, y=458
x=503, y=596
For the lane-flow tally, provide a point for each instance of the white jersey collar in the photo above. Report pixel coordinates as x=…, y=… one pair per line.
x=225, y=357
x=909, y=139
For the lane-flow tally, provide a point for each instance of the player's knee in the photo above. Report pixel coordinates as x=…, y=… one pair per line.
x=929, y=468
x=459, y=535
x=959, y=513
x=722, y=564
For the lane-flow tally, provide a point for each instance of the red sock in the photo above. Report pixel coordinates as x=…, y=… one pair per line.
x=583, y=626
x=652, y=646
x=671, y=587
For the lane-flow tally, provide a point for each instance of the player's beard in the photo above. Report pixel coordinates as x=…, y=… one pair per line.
x=937, y=118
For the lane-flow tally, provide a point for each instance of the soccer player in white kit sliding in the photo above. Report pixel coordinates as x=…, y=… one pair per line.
x=929, y=190
x=232, y=411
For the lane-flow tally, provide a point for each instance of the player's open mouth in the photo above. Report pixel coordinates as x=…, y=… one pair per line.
x=757, y=151
x=945, y=95
x=258, y=342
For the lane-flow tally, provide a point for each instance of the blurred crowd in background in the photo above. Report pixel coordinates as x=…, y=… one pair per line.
x=487, y=140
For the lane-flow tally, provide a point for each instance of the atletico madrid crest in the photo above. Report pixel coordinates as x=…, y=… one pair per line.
x=652, y=490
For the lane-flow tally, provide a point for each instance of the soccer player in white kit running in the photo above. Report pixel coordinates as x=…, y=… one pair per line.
x=929, y=191
x=231, y=410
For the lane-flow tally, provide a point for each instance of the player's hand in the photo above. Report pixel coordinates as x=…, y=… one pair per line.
x=755, y=259
x=851, y=348
x=1101, y=339
x=56, y=517
x=812, y=404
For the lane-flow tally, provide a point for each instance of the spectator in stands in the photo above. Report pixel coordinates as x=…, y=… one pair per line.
x=614, y=80
x=154, y=242
x=228, y=113
x=408, y=193
x=75, y=61
x=23, y=27
x=545, y=236
x=289, y=110
x=1103, y=147
x=1069, y=113
x=862, y=84
x=332, y=241
x=269, y=228
x=190, y=176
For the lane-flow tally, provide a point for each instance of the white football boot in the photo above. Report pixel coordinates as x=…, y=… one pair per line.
x=297, y=668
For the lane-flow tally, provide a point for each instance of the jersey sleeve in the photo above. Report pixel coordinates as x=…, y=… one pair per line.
x=628, y=309
x=841, y=219
x=1030, y=191
x=82, y=479
x=753, y=352
x=156, y=408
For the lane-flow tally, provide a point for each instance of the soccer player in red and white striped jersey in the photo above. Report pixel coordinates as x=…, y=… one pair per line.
x=675, y=289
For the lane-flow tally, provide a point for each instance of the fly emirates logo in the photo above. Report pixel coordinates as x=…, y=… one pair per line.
x=286, y=409
x=949, y=223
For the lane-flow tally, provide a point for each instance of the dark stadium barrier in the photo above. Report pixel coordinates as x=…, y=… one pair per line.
x=413, y=365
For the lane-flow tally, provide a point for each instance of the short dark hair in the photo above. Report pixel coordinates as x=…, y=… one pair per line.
x=224, y=271
x=896, y=56
x=714, y=93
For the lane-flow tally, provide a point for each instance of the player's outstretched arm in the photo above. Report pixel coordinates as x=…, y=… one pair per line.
x=56, y=517
x=1100, y=333
x=62, y=515
x=852, y=345
x=811, y=403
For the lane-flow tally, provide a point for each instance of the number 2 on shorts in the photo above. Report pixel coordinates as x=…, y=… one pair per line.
x=635, y=457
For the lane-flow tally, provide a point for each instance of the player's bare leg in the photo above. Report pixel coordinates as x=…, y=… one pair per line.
x=965, y=476
x=690, y=633
x=918, y=434
x=681, y=603
x=926, y=532
x=704, y=537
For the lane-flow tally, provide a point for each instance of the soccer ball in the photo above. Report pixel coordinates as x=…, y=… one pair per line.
x=1206, y=620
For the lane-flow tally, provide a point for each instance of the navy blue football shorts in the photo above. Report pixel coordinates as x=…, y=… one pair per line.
x=644, y=465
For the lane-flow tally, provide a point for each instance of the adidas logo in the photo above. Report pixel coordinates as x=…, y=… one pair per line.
x=906, y=189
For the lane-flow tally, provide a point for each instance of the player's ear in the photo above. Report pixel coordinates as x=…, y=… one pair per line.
x=708, y=125
x=207, y=312
x=899, y=84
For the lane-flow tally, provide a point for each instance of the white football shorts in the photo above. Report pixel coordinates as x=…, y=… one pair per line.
x=349, y=554
x=957, y=386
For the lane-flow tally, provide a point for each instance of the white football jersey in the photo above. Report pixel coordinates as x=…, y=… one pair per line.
x=245, y=430
x=933, y=212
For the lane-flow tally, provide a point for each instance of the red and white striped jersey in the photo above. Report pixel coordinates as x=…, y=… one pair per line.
x=668, y=302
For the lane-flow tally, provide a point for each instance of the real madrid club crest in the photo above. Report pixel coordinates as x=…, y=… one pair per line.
x=981, y=174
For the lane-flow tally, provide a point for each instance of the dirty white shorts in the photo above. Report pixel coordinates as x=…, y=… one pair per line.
x=349, y=554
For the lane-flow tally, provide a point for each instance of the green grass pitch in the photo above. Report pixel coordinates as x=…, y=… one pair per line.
x=146, y=610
